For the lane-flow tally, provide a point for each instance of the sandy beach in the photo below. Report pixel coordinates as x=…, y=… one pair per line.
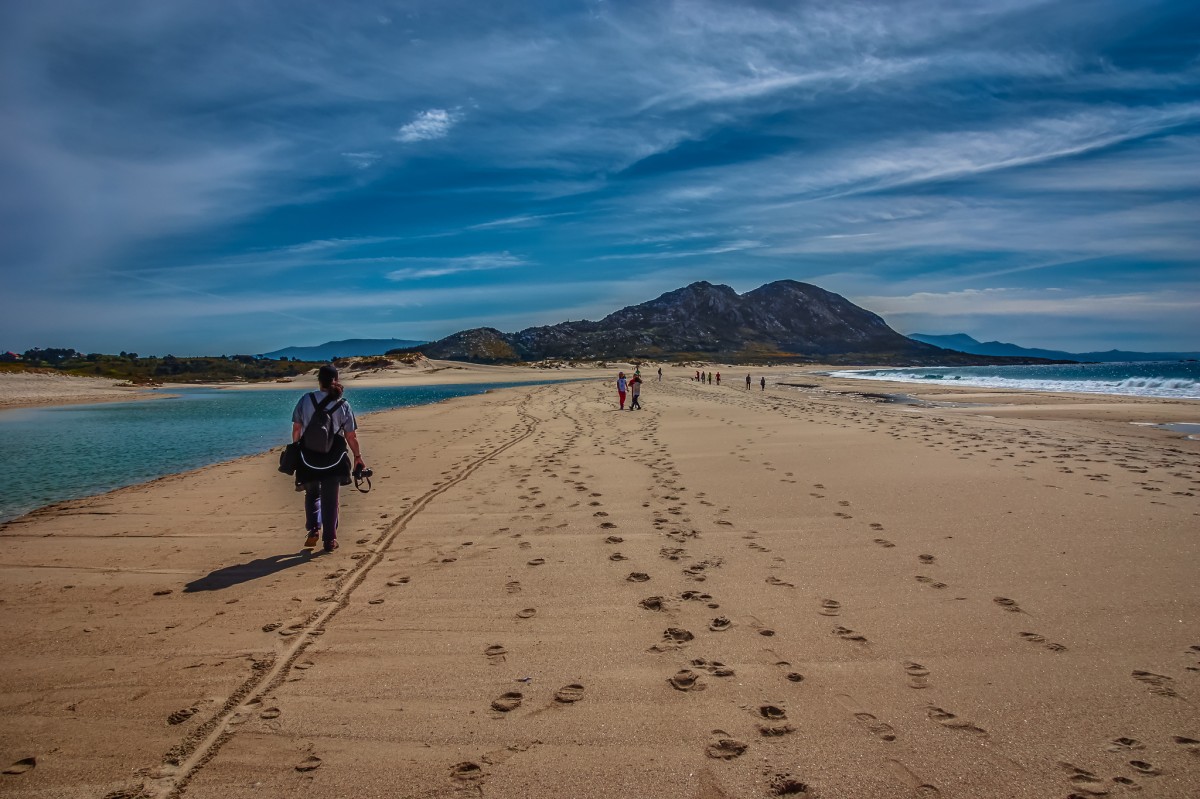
x=28, y=389
x=799, y=592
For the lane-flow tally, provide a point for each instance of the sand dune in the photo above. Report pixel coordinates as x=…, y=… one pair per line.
x=797, y=592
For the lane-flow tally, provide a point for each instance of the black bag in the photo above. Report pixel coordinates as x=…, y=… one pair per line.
x=289, y=459
x=321, y=432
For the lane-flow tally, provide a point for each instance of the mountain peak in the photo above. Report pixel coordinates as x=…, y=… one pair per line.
x=783, y=320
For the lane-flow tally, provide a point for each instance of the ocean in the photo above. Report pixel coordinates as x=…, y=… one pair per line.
x=51, y=454
x=1167, y=379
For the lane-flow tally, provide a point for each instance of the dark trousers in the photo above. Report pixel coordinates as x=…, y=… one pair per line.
x=321, y=507
x=634, y=402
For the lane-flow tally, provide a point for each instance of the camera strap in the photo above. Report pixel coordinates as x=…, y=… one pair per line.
x=358, y=483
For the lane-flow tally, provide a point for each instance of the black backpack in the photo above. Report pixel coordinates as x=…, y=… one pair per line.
x=321, y=433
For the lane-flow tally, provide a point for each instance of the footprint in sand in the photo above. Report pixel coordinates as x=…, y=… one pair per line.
x=1124, y=745
x=617, y=556
x=918, y=675
x=180, y=716
x=466, y=771
x=720, y=624
x=686, y=680
x=607, y=525
x=310, y=763
x=536, y=561
x=21, y=766
x=929, y=581
x=883, y=542
x=953, y=722
x=1189, y=744
x=876, y=526
x=773, y=580
x=397, y=581
x=926, y=558
x=614, y=539
x=677, y=634
x=788, y=785
x=830, y=607
x=1144, y=768
x=652, y=603
x=881, y=730
x=846, y=634
x=569, y=694
x=1160, y=684
x=495, y=653
x=1007, y=604
x=713, y=667
x=270, y=713
x=507, y=701
x=513, y=587
x=637, y=577
x=1085, y=781
x=722, y=747
x=526, y=613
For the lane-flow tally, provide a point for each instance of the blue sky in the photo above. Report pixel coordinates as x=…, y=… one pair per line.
x=240, y=176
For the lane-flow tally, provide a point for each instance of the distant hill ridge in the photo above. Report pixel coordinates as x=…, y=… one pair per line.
x=342, y=349
x=964, y=343
x=784, y=320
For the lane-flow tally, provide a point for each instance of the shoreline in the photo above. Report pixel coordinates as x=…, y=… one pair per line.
x=1148, y=416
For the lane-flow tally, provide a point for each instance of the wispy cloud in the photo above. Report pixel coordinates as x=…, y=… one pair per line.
x=441, y=267
x=432, y=124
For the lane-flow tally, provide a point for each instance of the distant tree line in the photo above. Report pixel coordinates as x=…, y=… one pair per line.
x=130, y=366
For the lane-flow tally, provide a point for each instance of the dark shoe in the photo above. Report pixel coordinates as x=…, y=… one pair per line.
x=312, y=540
x=331, y=545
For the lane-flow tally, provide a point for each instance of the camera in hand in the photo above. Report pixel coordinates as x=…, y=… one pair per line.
x=362, y=475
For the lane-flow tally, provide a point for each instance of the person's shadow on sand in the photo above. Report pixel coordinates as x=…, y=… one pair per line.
x=245, y=572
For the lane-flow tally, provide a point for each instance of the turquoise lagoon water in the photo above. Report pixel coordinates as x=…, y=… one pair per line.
x=66, y=452
x=1169, y=379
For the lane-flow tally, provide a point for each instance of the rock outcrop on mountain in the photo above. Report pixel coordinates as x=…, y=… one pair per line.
x=781, y=321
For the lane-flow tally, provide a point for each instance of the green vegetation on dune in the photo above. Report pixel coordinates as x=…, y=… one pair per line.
x=135, y=369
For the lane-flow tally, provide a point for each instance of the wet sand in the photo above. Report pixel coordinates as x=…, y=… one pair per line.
x=729, y=594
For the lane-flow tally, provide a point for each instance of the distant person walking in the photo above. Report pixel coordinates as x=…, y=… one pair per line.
x=718, y=378
x=635, y=392
x=660, y=374
x=747, y=382
x=322, y=418
x=762, y=382
x=621, y=386
x=710, y=378
x=697, y=375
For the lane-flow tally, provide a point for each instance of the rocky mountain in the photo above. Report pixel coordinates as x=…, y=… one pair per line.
x=342, y=349
x=964, y=343
x=785, y=320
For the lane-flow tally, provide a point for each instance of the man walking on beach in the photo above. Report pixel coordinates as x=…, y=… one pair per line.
x=322, y=471
x=621, y=386
x=660, y=374
x=635, y=391
x=747, y=382
x=762, y=382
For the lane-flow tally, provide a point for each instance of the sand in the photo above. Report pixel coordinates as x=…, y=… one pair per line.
x=26, y=389
x=797, y=592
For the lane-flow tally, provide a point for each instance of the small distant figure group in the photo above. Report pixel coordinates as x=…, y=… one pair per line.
x=762, y=383
x=632, y=386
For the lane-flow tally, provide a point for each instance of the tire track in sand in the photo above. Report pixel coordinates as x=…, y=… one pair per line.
x=183, y=761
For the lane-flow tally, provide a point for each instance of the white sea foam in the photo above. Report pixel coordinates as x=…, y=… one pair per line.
x=1137, y=386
